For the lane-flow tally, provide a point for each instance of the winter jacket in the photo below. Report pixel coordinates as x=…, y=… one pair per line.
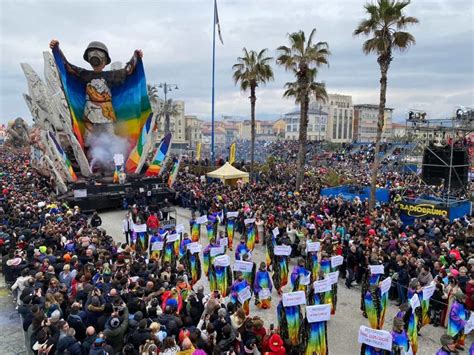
x=115, y=336
x=69, y=345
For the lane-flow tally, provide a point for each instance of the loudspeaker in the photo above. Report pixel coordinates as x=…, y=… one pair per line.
x=436, y=162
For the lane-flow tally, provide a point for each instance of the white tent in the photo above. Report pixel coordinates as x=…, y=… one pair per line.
x=229, y=175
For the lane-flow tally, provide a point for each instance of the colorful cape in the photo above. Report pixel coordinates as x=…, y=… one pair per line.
x=157, y=164
x=130, y=101
x=174, y=172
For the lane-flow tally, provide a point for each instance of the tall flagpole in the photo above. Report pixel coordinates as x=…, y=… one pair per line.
x=213, y=74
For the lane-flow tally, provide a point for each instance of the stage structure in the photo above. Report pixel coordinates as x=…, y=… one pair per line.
x=441, y=155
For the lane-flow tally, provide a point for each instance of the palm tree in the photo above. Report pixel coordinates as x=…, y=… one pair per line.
x=168, y=109
x=384, y=26
x=303, y=58
x=251, y=70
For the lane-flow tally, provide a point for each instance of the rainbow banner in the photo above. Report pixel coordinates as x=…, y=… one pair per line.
x=412, y=331
x=156, y=165
x=313, y=266
x=383, y=309
x=138, y=155
x=63, y=155
x=174, y=172
x=129, y=99
x=425, y=315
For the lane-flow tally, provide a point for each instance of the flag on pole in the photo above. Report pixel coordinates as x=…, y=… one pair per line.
x=198, y=151
x=232, y=154
x=216, y=23
x=174, y=172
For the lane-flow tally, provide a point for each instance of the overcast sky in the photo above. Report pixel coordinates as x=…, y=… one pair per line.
x=436, y=75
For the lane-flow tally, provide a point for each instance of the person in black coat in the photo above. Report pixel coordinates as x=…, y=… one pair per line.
x=69, y=344
x=96, y=221
x=141, y=335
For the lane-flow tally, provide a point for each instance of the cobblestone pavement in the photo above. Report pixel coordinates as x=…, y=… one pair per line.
x=12, y=340
x=342, y=328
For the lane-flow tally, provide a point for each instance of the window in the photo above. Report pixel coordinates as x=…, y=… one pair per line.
x=334, y=124
x=346, y=123
x=339, y=125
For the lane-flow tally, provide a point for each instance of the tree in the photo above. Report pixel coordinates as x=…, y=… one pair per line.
x=251, y=70
x=303, y=58
x=384, y=26
x=168, y=109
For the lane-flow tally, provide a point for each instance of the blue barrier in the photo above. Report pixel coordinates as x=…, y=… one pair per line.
x=349, y=192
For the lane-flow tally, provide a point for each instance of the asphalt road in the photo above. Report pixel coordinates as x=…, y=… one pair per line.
x=344, y=325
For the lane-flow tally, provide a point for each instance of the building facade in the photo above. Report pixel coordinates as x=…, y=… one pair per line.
x=193, y=127
x=340, y=124
x=317, y=124
x=177, y=126
x=365, y=123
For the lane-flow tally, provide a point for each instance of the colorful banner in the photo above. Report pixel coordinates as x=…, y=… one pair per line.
x=138, y=155
x=156, y=165
x=63, y=155
x=198, y=151
x=174, y=172
x=232, y=154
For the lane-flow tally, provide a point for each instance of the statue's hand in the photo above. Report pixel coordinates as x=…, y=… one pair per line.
x=53, y=43
x=139, y=53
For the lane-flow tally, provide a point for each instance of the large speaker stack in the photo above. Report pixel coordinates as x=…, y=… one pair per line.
x=437, y=163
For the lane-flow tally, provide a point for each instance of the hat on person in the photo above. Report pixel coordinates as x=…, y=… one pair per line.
x=99, y=340
x=42, y=249
x=372, y=232
x=114, y=322
x=459, y=296
x=454, y=273
x=446, y=340
x=222, y=312
x=275, y=342
x=55, y=316
x=14, y=262
x=67, y=258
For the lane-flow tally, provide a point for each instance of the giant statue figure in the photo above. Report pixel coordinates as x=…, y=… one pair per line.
x=17, y=133
x=108, y=108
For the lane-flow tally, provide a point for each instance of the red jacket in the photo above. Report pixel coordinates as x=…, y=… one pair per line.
x=152, y=222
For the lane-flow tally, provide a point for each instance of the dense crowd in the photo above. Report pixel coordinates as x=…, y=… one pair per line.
x=80, y=292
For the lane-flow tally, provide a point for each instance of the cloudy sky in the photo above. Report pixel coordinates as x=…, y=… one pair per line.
x=176, y=36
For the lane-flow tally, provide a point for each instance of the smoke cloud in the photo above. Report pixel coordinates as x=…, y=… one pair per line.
x=102, y=148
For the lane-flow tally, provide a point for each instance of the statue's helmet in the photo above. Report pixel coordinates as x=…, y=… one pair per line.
x=96, y=45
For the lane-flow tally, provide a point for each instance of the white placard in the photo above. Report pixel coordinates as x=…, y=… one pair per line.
x=305, y=279
x=194, y=247
x=282, y=250
x=469, y=325
x=312, y=246
x=333, y=277
x=336, y=260
x=428, y=291
x=323, y=285
x=141, y=190
x=222, y=261
x=157, y=246
x=380, y=339
x=264, y=294
x=249, y=221
x=118, y=159
x=179, y=228
x=139, y=228
x=376, y=269
x=294, y=298
x=275, y=232
x=385, y=286
x=244, y=295
x=414, y=302
x=217, y=251
x=223, y=242
x=232, y=214
x=318, y=313
x=201, y=220
x=243, y=266
x=172, y=238
x=79, y=193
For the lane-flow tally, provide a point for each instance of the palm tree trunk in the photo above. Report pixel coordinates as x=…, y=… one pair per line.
x=384, y=64
x=167, y=122
x=253, y=99
x=302, y=139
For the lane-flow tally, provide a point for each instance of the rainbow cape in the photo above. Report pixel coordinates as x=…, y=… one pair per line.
x=412, y=331
x=425, y=306
x=317, y=341
x=129, y=99
x=230, y=231
x=290, y=319
x=174, y=172
x=210, y=230
x=63, y=155
x=195, y=231
x=251, y=236
x=193, y=264
x=313, y=266
x=156, y=165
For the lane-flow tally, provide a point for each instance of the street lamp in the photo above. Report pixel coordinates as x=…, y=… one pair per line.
x=167, y=88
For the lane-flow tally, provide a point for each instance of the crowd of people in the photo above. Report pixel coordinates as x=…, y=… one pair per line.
x=81, y=292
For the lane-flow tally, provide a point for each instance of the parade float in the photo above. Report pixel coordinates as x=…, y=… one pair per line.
x=93, y=129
